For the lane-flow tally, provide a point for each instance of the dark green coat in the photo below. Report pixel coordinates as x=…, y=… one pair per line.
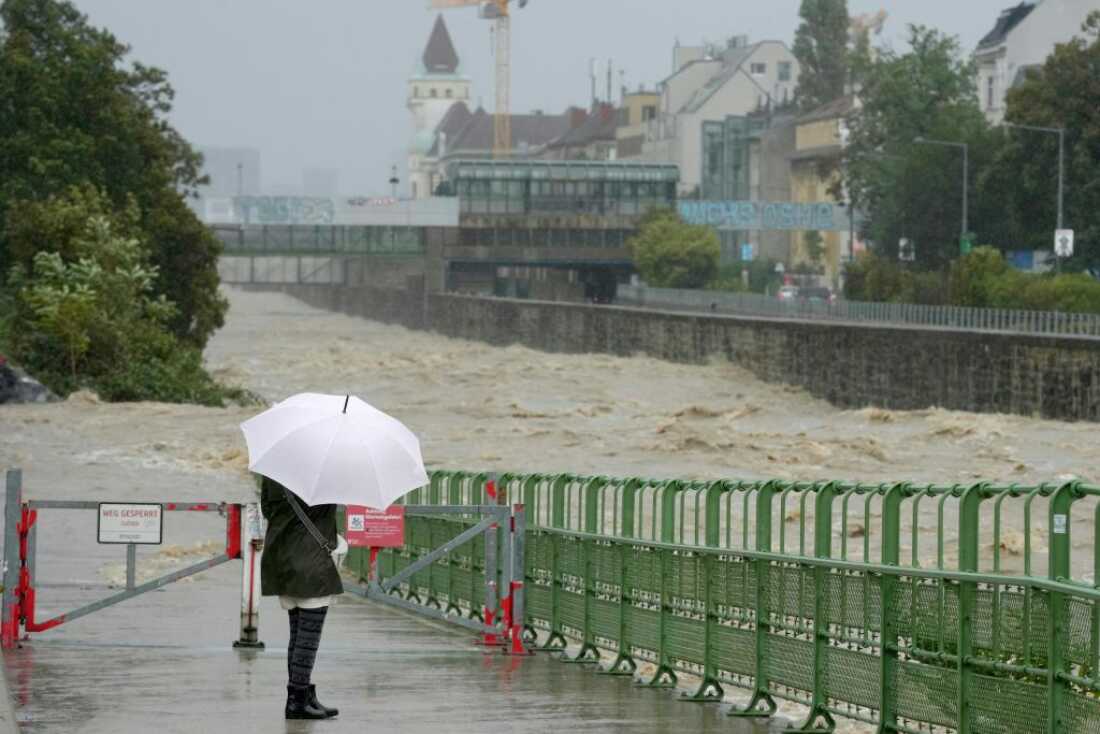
x=293, y=562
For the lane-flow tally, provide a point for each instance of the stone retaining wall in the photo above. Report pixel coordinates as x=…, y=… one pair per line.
x=850, y=365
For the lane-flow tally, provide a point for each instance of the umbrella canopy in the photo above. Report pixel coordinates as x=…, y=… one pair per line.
x=335, y=449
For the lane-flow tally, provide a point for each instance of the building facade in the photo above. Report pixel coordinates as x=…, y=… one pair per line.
x=1021, y=39
x=820, y=137
x=710, y=83
x=638, y=109
x=747, y=158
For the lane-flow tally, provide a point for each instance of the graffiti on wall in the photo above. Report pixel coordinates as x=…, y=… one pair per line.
x=284, y=210
x=759, y=215
x=372, y=201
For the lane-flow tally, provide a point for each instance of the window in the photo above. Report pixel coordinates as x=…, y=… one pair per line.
x=990, y=85
x=784, y=71
x=758, y=69
x=434, y=93
x=649, y=112
x=416, y=92
x=448, y=94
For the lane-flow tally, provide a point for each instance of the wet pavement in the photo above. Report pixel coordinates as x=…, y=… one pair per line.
x=164, y=662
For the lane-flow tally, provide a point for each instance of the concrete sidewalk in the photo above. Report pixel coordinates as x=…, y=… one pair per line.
x=163, y=662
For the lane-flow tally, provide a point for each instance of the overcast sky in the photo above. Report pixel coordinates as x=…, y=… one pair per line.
x=323, y=83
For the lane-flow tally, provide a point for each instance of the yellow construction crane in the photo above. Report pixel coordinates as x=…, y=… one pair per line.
x=498, y=12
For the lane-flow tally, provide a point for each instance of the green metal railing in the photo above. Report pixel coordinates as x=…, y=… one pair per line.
x=916, y=608
x=285, y=239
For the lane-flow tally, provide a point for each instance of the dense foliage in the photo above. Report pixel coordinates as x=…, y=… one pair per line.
x=109, y=279
x=821, y=47
x=1023, y=181
x=671, y=254
x=913, y=190
x=74, y=112
x=909, y=189
x=87, y=313
x=981, y=279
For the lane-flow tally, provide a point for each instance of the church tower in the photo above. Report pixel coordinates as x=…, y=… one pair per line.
x=433, y=89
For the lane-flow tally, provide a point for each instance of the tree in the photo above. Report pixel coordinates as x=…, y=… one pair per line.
x=73, y=112
x=814, y=245
x=93, y=317
x=910, y=190
x=672, y=254
x=1024, y=179
x=821, y=47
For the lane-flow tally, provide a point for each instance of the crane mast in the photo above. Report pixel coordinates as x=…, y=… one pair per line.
x=502, y=119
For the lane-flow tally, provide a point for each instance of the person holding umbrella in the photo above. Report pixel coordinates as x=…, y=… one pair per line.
x=297, y=568
x=315, y=452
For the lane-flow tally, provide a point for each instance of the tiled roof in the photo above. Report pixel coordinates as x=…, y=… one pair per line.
x=600, y=125
x=458, y=115
x=1008, y=20
x=530, y=130
x=440, y=56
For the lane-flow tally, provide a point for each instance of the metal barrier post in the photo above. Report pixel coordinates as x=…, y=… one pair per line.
x=761, y=705
x=13, y=500
x=246, y=523
x=489, y=613
x=131, y=565
x=516, y=609
x=1058, y=621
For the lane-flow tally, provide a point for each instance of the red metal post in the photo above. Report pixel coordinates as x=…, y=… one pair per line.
x=233, y=531
x=515, y=629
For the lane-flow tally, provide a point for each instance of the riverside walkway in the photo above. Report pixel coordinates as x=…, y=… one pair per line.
x=163, y=662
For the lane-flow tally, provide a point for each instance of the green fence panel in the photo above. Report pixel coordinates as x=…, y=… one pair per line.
x=813, y=592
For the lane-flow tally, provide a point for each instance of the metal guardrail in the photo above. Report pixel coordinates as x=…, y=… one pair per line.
x=943, y=317
x=284, y=239
x=829, y=594
x=243, y=541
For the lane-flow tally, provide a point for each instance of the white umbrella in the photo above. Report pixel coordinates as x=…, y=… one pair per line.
x=335, y=449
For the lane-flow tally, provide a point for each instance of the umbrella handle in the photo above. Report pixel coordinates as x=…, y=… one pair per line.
x=346, y=399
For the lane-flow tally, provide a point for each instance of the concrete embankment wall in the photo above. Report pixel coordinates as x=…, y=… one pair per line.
x=850, y=365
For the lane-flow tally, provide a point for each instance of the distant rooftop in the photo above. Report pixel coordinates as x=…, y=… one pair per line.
x=474, y=132
x=839, y=107
x=440, y=56
x=598, y=126
x=1009, y=19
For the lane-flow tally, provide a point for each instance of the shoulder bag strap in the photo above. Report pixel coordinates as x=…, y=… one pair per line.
x=293, y=500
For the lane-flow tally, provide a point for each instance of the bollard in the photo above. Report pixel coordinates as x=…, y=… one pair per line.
x=245, y=524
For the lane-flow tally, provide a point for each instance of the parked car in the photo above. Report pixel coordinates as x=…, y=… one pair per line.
x=788, y=293
x=816, y=295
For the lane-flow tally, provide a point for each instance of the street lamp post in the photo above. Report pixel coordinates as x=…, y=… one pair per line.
x=966, y=176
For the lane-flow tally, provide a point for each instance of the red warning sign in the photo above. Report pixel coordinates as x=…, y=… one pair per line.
x=367, y=528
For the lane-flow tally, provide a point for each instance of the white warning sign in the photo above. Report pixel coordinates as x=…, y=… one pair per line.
x=141, y=524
